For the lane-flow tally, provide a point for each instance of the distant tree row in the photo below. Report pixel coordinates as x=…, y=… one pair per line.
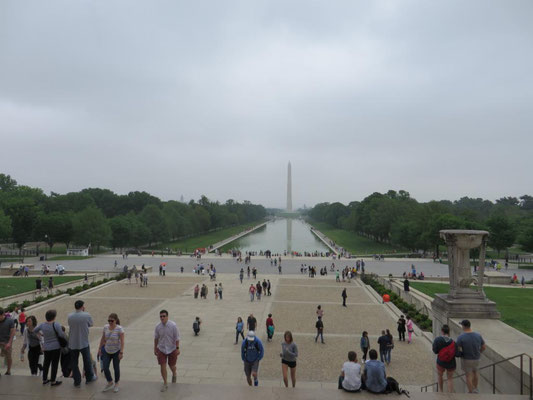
x=101, y=217
x=397, y=218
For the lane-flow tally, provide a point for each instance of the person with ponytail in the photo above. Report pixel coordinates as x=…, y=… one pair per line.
x=111, y=348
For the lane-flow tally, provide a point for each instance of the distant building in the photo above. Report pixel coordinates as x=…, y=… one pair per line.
x=78, y=252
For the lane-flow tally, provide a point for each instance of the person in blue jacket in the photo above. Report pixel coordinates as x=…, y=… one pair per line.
x=252, y=352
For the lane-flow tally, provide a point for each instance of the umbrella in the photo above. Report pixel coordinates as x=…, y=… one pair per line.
x=164, y=264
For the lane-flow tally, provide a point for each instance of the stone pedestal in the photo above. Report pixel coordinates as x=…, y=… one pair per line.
x=462, y=301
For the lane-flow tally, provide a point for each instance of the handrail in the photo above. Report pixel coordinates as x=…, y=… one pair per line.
x=493, y=365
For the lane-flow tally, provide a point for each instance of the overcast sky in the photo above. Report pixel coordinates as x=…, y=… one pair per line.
x=215, y=97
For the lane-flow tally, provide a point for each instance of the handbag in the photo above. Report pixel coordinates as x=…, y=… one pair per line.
x=62, y=341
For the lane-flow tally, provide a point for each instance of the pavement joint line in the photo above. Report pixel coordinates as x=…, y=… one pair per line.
x=124, y=298
x=314, y=286
x=324, y=302
x=341, y=335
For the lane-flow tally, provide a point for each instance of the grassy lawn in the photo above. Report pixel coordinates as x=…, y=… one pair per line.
x=11, y=286
x=515, y=304
x=192, y=243
x=57, y=258
x=355, y=243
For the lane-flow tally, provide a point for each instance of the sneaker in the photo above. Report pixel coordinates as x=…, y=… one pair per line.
x=116, y=389
x=174, y=378
x=476, y=390
x=56, y=383
x=7, y=373
x=108, y=386
x=94, y=378
x=164, y=387
x=46, y=382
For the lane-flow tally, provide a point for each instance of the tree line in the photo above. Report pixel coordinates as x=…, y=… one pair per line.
x=398, y=219
x=101, y=217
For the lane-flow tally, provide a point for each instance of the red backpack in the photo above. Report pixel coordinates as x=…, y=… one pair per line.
x=447, y=353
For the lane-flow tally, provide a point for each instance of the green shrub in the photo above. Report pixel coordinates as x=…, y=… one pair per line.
x=12, y=306
x=38, y=299
x=26, y=303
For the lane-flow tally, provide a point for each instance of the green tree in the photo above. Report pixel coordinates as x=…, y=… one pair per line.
x=502, y=233
x=525, y=239
x=55, y=227
x=121, y=231
x=23, y=214
x=155, y=221
x=91, y=228
x=5, y=226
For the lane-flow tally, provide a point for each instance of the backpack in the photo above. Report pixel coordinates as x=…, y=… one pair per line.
x=447, y=353
x=256, y=345
x=195, y=326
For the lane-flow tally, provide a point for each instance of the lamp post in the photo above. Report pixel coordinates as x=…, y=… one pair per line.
x=46, y=248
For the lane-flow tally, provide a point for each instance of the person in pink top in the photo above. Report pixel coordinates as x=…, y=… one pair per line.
x=410, y=329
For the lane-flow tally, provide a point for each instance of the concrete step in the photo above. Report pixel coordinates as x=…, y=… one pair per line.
x=23, y=387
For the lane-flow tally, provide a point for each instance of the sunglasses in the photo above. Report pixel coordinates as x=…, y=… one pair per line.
x=110, y=320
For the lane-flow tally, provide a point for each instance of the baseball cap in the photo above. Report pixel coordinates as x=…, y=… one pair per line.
x=251, y=335
x=465, y=323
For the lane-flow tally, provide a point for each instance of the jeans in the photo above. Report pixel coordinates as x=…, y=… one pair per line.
x=321, y=337
x=401, y=335
x=87, y=365
x=106, y=358
x=237, y=336
x=387, y=355
x=365, y=351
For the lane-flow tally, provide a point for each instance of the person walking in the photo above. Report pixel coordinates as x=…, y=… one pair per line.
x=269, y=287
x=220, y=290
x=252, y=352
x=270, y=327
x=384, y=342
x=111, y=348
x=319, y=311
x=216, y=291
x=33, y=342
x=390, y=346
x=196, y=291
x=289, y=354
x=251, y=322
x=51, y=332
x=470, y=346
x=7, y=333
x=319, y=330
x=410, y=330
x=241, y=275
x=401, y=328
x=364, y=343
x=22, y=321
x=252, y=292
x=344, y=296
x=166, y=347
x=79, y=323
x=239, y=328
x=258, y=290
x=445, y=348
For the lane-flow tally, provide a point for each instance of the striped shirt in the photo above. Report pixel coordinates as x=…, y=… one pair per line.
x=112, y=338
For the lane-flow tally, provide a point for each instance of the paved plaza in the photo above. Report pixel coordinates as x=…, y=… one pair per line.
x=291, y=265
x=212, y=357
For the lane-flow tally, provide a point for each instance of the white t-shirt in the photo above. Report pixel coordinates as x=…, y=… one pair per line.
x=352, y=376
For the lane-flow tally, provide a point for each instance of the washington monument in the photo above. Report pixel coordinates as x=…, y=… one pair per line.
x=289, y=188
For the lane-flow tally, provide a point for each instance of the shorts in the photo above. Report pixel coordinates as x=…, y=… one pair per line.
x=441, y=369
x=5, y=353
x=171, y=358
x=250, y=367
x=469, y=365
x=290, y=364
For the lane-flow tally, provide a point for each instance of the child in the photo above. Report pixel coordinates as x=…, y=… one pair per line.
x=196, y=326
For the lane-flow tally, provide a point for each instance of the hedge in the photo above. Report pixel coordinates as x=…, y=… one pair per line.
x=422, y=320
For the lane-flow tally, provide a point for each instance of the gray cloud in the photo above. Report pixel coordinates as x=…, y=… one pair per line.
x=214, y=98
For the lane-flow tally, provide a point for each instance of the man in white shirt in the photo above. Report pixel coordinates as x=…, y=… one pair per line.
x=166, y=347
x=350, y=379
